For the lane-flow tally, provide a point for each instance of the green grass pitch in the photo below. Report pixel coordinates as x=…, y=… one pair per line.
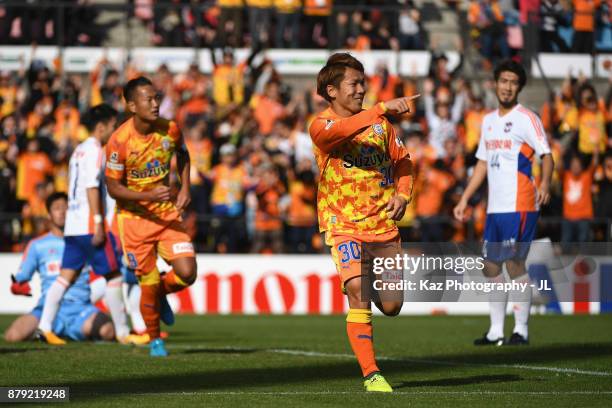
x=286, y=361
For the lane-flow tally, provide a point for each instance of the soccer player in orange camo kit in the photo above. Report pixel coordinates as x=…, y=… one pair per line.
x=359, y=197
x=138, y=158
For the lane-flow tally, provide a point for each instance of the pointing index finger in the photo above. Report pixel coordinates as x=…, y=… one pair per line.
x=412, y=97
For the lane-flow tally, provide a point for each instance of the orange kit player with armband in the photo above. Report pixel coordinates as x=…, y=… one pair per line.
x=365, y=185
x=138, y=158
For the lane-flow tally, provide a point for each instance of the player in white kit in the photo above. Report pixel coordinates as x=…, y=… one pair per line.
x=88, y=239
x=511, y=137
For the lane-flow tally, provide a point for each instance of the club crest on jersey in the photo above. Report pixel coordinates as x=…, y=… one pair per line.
x=328, y=124
x=378, y=129
x=165, y=145
x=508, y=127
x=114, y=157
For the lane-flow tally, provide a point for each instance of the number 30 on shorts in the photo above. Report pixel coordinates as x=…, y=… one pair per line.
x=349, y=250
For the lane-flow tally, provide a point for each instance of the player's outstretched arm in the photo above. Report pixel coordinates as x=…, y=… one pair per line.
x=480, y=173
x=328, y=134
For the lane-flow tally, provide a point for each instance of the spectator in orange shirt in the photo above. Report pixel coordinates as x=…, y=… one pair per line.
x=301, y=214
x=200, y=149
x=33, y=167
x=67, y=124
x=267, y=108
x=554, y=112
x=268, y=222
x=8, y=94
x=434, y=181
x=577, y=202
x=196, y=106
x=230, y=182
x=584, y=25
x=473, y=120
x=383, y=83
x=589, y=120
x=105, y=87
x=228, y=79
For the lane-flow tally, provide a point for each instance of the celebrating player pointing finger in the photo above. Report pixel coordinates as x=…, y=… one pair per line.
x=365, y=184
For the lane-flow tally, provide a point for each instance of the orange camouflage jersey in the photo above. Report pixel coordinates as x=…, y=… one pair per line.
x=143, y=163
x=363, y=164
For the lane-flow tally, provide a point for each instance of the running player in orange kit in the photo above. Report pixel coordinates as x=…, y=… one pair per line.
x=138, y=159
x=365, y=185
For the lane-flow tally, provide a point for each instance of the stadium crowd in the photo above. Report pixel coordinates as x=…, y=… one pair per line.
x=254, y=176
x=497, y=27
x=253, y=171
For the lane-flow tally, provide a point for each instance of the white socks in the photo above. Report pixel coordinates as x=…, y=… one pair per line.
x=98, y=288
x=52, y=303
x=522, y=306
x=497, y=309
x=133, y=301
x=114, y=300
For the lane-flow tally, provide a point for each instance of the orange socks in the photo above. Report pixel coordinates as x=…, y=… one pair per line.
x=359, y=330
x=149, y=308
x=171, y=282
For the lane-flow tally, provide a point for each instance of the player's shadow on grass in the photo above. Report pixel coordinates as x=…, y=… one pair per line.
x=235, y=375
x=459, y=381
x=11, y=350
x=203, y=350
x=525, y=354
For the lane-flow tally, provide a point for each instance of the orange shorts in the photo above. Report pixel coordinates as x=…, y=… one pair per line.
x=346, y=253
x=143, y=239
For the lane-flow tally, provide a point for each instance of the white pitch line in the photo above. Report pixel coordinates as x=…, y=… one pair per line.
x=306, y=353
x=447, y=363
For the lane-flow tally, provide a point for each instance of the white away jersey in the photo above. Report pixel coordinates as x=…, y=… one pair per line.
x=85, y=172
x=508, y=145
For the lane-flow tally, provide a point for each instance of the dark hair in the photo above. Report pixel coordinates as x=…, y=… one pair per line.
x=514, y=67
x=333, y=72
x=583, y=88
x=101, y=113
x=111, y=72
x=58, y=195
x=130, y=88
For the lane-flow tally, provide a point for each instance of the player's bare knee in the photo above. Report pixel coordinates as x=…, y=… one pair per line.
x=107, y=332
x=391, y=309
x=11, y=336
x=491, y=269
x=99, y=327
x=353, y=293
x=69, y=275
x=187, y=271
x=516, y=268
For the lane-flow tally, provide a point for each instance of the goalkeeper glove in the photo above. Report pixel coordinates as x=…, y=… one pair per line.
x=22, y=288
